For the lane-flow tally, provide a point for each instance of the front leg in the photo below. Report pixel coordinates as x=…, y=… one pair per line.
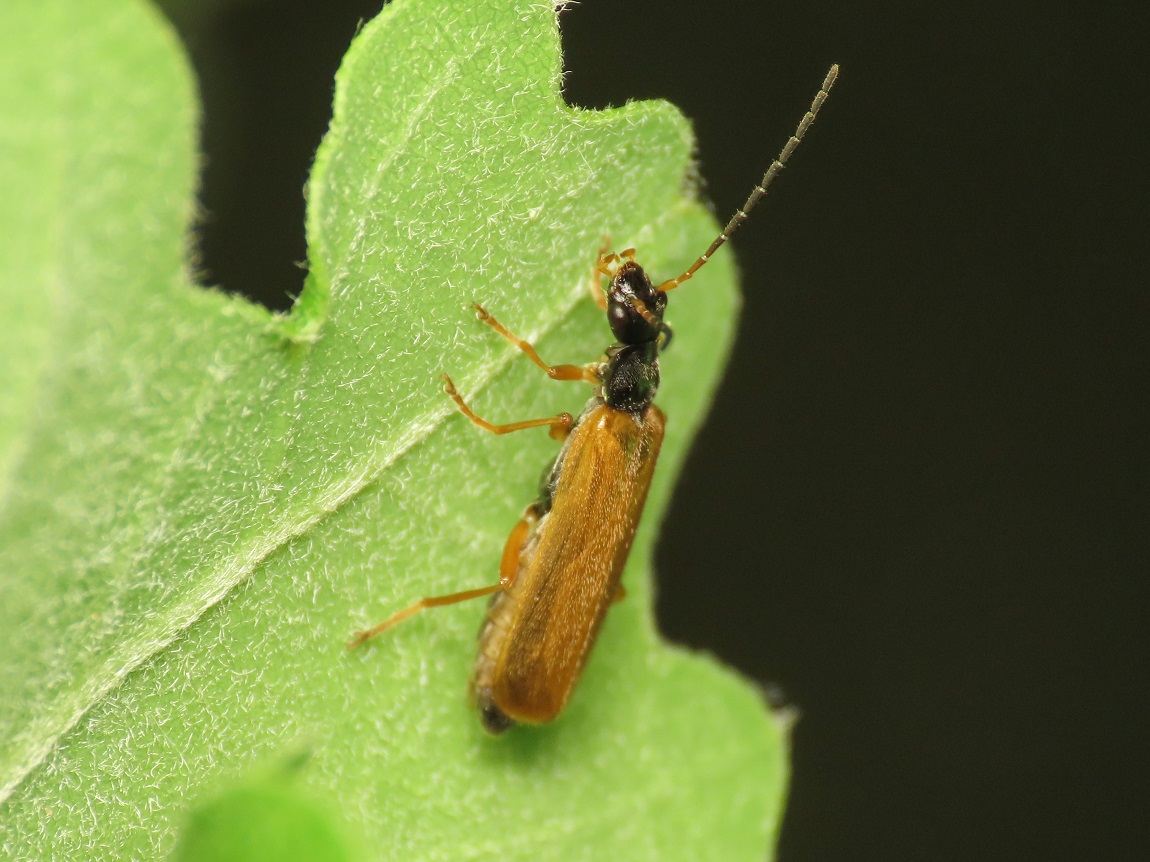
x=588, y=372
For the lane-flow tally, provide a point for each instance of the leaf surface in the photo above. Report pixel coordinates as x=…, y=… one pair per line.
x=202, y=501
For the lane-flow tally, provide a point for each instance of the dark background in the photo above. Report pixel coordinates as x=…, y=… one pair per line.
x=919, y=504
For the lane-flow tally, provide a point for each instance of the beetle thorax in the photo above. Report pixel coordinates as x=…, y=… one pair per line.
x=631, y=377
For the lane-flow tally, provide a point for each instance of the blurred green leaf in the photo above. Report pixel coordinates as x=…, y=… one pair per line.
x=202, y=501
x=264, y=820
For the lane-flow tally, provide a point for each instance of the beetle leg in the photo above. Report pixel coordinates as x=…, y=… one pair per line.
x=560, y=425
x=509, y=563
x=555, y=372
x=411, y=610
x=619, y=594
x=508, y=569
x=595, y=284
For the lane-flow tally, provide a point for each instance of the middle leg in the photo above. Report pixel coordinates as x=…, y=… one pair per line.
x=560, y=425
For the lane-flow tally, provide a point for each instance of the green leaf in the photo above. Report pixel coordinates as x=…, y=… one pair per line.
x=202, y=501
x=264, y=819
x=259, y=824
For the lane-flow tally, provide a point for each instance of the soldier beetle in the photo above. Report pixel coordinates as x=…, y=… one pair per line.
x=561, y=566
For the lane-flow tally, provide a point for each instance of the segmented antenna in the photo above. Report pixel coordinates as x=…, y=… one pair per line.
x=761, y=189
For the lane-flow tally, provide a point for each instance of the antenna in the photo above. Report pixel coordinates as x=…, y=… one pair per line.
x=760, y=190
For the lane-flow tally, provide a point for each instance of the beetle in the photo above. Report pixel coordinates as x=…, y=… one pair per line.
x=561, y=565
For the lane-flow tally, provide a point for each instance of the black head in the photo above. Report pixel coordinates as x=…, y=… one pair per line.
x=635, y=307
